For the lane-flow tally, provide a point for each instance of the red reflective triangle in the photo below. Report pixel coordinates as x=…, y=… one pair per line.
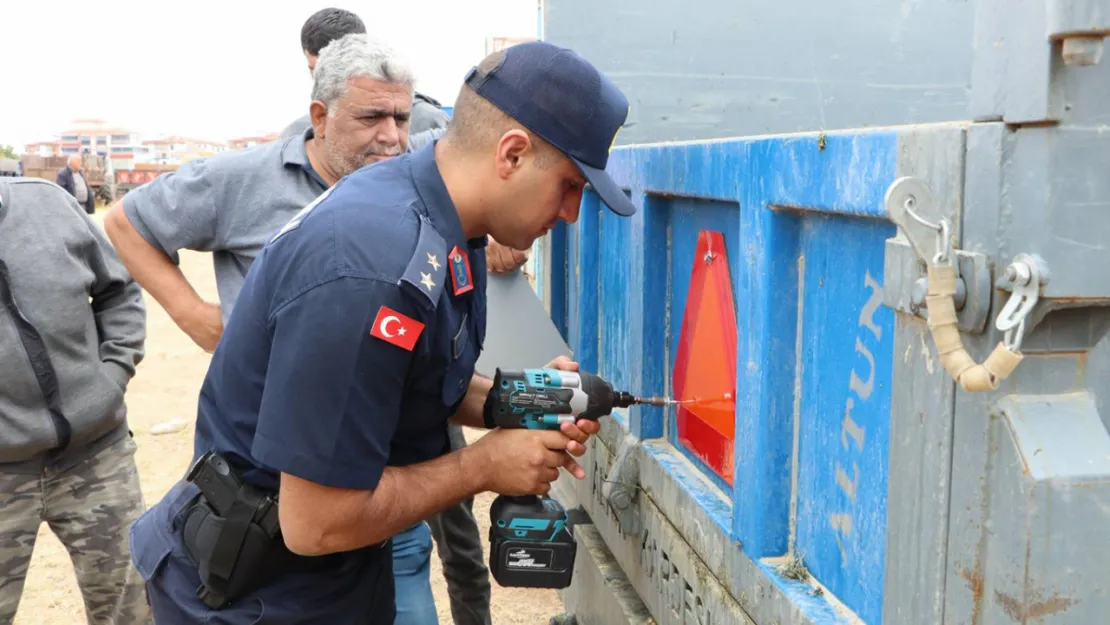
x=705, y=365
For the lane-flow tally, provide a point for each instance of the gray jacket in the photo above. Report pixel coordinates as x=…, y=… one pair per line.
x=426, y=115
x=72, y=330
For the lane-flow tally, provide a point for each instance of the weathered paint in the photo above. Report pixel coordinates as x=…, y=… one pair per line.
x=921, y=457
x=631, y=319
x=601, y=593
x=1018, y=74
x=975, y=532
x=848, y=343
x=773, y=199
x=685, y=557
x=704, y=69
x=829, y=183
x=582, y=286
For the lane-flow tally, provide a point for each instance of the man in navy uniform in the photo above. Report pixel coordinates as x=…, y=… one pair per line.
x=354, y=341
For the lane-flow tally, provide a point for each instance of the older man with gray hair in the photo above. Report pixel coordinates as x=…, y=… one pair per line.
x=232, y=204
x=73, y=181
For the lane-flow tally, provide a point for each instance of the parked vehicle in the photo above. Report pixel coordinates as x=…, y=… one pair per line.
x=9, y=167
x=843, y=207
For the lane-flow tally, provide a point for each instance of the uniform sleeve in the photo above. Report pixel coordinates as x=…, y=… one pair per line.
x=333, y=392
x=177, y=211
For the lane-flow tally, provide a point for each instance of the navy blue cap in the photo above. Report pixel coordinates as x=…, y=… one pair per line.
x=561, y=97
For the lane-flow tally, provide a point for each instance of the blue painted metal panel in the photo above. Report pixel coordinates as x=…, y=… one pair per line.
x=633, y=266
x=582, y=284
x=847, y=344
x=776, y=200
x=618, y=273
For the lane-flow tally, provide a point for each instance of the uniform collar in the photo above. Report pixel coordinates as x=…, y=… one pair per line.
x=433, y=192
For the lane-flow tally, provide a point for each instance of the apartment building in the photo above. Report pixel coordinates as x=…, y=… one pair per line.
x=176, y=150
x=122, y=146
x=241, y=143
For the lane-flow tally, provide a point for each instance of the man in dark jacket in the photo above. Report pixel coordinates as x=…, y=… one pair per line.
x=72, y=330
x=72, y=180
x=455, y=530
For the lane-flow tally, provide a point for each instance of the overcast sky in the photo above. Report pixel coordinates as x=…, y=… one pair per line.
x=212, y=68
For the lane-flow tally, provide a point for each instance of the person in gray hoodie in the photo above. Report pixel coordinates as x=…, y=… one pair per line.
x=72, y=332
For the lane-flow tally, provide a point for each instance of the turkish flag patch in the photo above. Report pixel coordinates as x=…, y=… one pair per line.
x=393, y=327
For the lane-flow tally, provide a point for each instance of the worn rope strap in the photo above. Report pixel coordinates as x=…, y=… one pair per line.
x=973, y=377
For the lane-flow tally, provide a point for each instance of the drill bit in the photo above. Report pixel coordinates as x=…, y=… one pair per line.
x=624, y=400
x=658, y=401
x=667, y=401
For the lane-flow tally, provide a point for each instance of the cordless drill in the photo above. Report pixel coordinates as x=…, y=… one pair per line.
x=530, y=544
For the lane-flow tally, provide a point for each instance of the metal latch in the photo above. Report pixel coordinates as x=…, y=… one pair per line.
x=1027, y=274
x=905, y=286
x=909, y=204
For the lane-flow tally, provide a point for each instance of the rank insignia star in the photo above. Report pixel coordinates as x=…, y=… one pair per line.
x=426, y=280
x=433, y=261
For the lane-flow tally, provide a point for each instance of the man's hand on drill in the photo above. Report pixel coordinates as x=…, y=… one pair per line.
x=520, y=462
x=525, y=462
x=581, y=430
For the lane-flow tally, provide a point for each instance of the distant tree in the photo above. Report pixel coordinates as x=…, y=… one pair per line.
x=7, y=151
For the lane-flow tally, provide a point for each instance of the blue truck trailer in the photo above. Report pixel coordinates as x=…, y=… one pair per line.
x=882, y=231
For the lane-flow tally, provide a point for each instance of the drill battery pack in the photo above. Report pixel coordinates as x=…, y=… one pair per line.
x=532, y=564
x=530, y=544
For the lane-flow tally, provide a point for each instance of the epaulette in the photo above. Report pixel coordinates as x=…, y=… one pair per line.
x=427, y=269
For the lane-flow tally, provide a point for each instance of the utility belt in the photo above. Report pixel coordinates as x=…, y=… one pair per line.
x=232, y=535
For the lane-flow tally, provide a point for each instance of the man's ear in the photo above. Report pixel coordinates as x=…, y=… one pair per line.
x=318, y=114
x=511, y=149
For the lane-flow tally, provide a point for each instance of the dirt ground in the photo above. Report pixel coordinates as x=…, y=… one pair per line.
x=165, y=389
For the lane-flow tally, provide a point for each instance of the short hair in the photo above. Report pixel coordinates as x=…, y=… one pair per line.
x=476, y=123
x=352, y=56
x=327, y=25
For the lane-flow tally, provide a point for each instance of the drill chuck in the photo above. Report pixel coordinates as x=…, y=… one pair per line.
x=622, y=399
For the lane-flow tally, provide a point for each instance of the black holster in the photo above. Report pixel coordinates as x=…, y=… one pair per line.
x=231, y=534
x=233, y=554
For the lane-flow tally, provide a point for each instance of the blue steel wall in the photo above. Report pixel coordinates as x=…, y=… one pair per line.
x=703, y=69
x=803, y=221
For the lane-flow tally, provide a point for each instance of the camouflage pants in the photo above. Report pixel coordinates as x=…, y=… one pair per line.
x=89, y=508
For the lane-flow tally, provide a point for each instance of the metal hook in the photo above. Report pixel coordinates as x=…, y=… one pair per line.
x=1026, y=291
x=909, y=204
x=908, y=200
x=1013, y=336
x=943, y=247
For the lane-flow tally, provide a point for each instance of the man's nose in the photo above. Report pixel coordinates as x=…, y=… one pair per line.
x=572, y=204
x=388, y=132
